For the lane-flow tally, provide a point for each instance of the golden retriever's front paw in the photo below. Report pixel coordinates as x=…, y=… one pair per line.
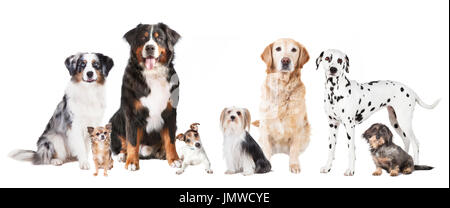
x=295, y=168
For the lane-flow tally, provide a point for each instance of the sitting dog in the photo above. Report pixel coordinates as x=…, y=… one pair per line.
x=241, y=152
x=144, y=127
x=387, y=155
x=192, y=153
x=350, y=103
x=65, y=137
x=284, y=126
x=101, y=140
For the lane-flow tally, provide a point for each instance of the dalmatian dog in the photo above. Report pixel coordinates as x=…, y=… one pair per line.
x=349, y=103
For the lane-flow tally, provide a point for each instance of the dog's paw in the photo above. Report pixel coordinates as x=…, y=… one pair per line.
x=248, y=173
x=179, y=172
x=132, y=167
x=122, y=157
x=325, y=169
x=294, y=168
x=376, y=173
x=84, y=165
x=394, y=173
x=95, y=174
x=229, y=172
x=209, y=171
x=56, y=162
x=349, y=172
x=176, y=164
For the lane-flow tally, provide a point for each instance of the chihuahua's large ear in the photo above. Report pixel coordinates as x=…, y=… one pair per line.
x=319, y=59
x=107, y=63
x=247, y=119
x=71, y=63
x=347, y=63
x=303, y=58
x=180, y=137
x=222, y=117
x=172, y=36
x=194, y=126
x=90, y=129
x=266, y=56
x=108, y=127
x=130, y=36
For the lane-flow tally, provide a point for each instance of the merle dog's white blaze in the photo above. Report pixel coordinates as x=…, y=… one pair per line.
x=350, y=103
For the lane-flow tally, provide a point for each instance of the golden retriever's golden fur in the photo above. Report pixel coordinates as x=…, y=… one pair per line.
x=284, y=126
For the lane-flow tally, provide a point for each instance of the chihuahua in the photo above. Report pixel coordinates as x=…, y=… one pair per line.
x=101, y=140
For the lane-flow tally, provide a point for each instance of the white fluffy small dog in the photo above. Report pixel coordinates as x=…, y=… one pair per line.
x=192, y=152
x=241, y=152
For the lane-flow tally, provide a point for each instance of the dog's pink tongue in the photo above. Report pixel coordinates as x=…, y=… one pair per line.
x=150, y=63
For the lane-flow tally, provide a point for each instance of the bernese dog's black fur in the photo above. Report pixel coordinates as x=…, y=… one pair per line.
x=130, y=121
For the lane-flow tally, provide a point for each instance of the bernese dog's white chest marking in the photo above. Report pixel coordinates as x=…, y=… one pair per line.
x=157, y=100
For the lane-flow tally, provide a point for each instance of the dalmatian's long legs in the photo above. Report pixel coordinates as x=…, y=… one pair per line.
x=404, y=118
x=333, y=130
x=396, y=126
x=351, y=149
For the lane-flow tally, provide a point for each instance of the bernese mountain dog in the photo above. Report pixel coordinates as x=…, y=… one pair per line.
x=144, y=127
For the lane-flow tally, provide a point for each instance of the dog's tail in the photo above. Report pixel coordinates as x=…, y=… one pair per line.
x=424, y=105
x=262, y=166
x=256, y=123
x=43, y=155
x=422, y=167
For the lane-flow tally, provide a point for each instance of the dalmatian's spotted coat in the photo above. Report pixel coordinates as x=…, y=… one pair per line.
x=349, y=103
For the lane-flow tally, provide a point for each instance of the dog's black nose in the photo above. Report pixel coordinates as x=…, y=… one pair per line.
x=285, y=61
x=198, y=145
x=90, y=74
x=333, y=70
x=150, y=48
x=233, y=117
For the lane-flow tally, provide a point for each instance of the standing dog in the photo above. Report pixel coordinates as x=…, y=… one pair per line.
x=284, y=126
x=241, y=152
x=192, y=152
x=350, y=103
x=145, y=124
x=101, y=153
x=387, y=155
x=83, y=104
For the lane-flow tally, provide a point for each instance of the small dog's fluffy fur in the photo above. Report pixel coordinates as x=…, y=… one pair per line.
x=101, y=153
x=241, y=152
x=192, y=152
x=284, y=126
x=387, y=155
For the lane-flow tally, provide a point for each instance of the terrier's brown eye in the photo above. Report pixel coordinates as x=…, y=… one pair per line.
x=188, y=140
x=196, y=135
x=278, y=49
x=294, y=50
x=238, y=113
x=229, y=112
x=97, y=134
x=340, y=61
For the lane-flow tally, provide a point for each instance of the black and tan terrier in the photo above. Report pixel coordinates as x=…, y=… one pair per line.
x=101, y=140
x=387, y=155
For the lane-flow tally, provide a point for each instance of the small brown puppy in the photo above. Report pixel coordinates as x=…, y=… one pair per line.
x=387, y=155
x=101, y=140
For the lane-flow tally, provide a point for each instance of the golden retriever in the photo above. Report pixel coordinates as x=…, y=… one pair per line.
x=284, y=126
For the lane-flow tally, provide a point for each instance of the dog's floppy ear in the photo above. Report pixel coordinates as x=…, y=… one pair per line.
x=172, y=36
x=319, y=59
x=303, y=58
x=194, y=126
x=347, y=63
x=130, y=36
x=386, y=134
x=90, y=129
x=266, y=56
x=247, y=119
x=222, y=117
x=71, y=63
x=180, y=137
x=107, y=63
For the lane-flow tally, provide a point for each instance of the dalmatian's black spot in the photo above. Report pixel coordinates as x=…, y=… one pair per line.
x=330, y=146
x=329, y=170
x=368, y=89
x=362, y=111
x=342, y=110
x=369, y=104
x=350, y=92
x=334, y=135
x=407, y=95
x=348, y=145
x=396, y=126
x=348, y=82
x=331, y=125
x=339, y=98
x=404, y=134
x=372, y=109
x=389, y=100
x=335, y=126
x=362, y=88
x=359, y=101
x=401, y=89
x=373, y=82
x=348, y=137
x=330, y=117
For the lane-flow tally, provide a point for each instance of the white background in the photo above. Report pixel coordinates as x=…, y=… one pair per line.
x=219, y=65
